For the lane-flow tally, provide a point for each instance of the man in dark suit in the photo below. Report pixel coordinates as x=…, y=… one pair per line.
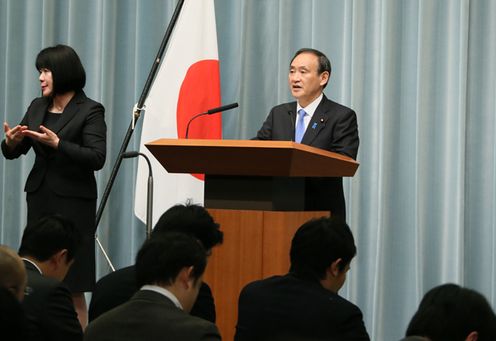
x=316, y=121
x=47, y=249
x=304, y=304
x=118, y=287
x=169, y=271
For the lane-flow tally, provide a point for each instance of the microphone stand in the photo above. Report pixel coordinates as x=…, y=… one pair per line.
x=191, y=120
x=210, y=112
x=136, y=116
x=149, y=191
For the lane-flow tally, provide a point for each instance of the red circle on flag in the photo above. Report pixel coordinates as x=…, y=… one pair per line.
x=199, y=92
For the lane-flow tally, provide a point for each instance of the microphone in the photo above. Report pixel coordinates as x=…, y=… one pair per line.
x=129, y=155
x=209, y=112
x=222, y=108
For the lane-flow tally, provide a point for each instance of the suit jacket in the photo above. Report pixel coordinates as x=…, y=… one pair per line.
x=333, y=127
x=119, y=286
x=149, y=315
x=49, y=310
x=82, y=147
x=289, y=308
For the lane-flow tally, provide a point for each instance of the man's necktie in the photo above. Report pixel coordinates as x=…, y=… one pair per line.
x=300, y=126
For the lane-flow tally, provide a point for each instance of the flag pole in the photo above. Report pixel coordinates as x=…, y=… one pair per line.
x=136, y=116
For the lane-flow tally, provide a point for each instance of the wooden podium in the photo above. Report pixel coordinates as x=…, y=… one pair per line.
x=256, y=191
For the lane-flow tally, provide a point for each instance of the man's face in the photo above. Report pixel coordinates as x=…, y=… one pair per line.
x=305, y=82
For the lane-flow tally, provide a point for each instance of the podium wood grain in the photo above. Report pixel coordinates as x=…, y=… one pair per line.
x=256, y=245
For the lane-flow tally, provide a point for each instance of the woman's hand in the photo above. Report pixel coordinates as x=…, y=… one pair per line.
x=13, y=136
x=46, y=136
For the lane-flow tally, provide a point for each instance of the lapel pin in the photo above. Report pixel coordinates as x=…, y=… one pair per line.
x=314, y=125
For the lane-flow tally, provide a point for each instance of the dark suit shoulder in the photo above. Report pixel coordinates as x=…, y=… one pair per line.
x=36, y=281
x=150, y=315
x=328, y=103
x=112, y=290
x=39, y=101
x=49, y=309
x=285, y=305
x=284, y=107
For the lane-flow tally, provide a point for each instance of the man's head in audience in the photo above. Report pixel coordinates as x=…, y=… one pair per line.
x=450, y=312
x=12, y=272
x=174, y=261
x=321, y=251
x=193, y=220
x=51, y=244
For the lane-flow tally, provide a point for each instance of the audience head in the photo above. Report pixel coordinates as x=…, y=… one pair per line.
x=51, y=243
x=12, y=272
x=450, y=312
x=321, y=250
x=193, y=220
x=67, y=71
x=175, y=261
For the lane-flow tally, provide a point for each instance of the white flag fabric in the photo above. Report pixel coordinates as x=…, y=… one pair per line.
x=187, y=83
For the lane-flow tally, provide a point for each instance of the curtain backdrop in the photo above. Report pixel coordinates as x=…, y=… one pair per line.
x=419, y=73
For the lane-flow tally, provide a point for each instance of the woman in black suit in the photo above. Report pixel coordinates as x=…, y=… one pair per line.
x=67, y=132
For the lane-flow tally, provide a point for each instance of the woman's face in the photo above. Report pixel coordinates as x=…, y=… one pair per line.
x=46, y=82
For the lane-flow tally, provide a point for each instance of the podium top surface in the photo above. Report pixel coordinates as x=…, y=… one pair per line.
x=249, y=158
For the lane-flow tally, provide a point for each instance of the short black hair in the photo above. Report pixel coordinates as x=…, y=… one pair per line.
x=193, y=220
x=161, y=258
x=317, y=244
x=324, y=62
x=48, y=236
x=67, y=71
x=451, y=312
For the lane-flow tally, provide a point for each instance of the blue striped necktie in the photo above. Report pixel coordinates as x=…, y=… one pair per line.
x=300, y=126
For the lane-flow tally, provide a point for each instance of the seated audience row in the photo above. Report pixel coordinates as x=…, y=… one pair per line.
x=163, y=296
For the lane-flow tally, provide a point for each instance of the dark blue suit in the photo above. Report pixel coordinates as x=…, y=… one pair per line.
x=333, y=127
x=49, y=310
x=119, y=286
x=149, y=315
x=288, y=308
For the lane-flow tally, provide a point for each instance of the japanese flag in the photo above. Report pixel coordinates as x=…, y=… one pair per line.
x=187, y=83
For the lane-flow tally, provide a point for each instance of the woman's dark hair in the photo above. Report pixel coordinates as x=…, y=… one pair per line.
x=67, y=71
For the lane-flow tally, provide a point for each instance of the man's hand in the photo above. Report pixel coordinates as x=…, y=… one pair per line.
x=46, y=136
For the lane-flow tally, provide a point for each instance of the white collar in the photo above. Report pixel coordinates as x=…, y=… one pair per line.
x=163, y=291
x=34, y=264
x=310, y=109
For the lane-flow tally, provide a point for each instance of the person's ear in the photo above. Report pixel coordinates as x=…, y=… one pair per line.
x=334, y=268
x=185, y=277
x=473, y=336
x=60, y=257
x=324, y=78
